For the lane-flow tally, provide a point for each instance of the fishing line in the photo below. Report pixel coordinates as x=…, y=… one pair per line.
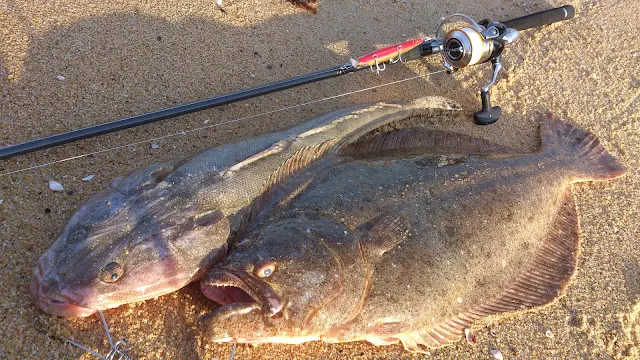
x=185, y=132
x=117, y=348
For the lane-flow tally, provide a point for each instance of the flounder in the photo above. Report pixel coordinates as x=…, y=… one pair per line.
x=409, y=249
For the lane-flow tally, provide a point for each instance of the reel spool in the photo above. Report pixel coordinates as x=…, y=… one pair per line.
x=466, y=42
x=457, y=48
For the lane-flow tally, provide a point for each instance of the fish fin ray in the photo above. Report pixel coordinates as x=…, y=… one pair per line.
x=386, y=233
x=563, y=236
x=290, y=167
x=417, y=140
x=592, y=161
x=389, y=328
x=418, y=107
x=442, y=334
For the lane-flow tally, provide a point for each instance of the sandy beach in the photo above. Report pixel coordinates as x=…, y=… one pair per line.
x=70, y=64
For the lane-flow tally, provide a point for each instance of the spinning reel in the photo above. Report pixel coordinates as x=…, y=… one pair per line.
x=465, y=42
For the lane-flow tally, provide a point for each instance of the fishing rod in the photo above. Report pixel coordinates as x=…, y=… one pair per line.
x=459, y=39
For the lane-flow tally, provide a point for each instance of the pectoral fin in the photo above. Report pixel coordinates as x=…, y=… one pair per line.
x=389, y=231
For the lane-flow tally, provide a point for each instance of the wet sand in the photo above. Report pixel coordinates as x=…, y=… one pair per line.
x=72, y=64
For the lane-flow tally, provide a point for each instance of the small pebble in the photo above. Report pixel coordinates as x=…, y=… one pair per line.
x=155, y=146
x=471, y=337
x=55, y=186
x=206, y=121
x=459, y=300
x=88, y=178
x=496, y=354
x=251, y=76
x=219, y=2
x=548, y=334
x=60, y=77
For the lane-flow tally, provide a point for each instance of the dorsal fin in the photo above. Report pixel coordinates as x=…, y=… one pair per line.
x=397, y=113
x=418, y=140
x=298, y=161
x=542, y=283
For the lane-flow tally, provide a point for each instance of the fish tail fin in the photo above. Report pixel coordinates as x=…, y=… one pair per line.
x=591, y=160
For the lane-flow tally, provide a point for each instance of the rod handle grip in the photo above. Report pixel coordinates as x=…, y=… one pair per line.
x=541, y=18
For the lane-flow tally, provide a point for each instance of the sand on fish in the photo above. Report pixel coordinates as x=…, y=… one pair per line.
x=72, y=64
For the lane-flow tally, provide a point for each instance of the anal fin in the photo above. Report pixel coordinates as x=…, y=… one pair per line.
x=541, y=284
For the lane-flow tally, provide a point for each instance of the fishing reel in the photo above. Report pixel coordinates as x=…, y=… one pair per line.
x=465, y=42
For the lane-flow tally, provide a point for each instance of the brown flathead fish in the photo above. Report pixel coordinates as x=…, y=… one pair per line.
x=156, y=230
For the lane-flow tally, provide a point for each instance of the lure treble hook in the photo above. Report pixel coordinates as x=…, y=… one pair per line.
x=400, y=59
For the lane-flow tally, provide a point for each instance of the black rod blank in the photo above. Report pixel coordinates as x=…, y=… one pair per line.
x=75, y=135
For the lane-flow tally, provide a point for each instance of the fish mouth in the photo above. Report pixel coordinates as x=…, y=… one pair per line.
x=54, y=304
x=239, y=293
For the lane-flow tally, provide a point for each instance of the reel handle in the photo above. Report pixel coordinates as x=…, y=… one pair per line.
x=541, y=18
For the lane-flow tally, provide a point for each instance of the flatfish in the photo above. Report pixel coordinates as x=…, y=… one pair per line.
x=409, y=249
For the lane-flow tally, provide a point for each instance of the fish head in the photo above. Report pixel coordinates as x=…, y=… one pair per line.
x=118, y=249
x=279, y=283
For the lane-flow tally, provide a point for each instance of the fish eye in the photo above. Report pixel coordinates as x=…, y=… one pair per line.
x=266, y=270
x=111, y=272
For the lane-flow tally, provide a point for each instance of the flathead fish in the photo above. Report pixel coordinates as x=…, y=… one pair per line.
x=405, y=249
x=157, y=229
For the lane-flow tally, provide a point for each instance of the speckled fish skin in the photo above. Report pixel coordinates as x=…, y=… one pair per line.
x=159, y=228
x=409, y=250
